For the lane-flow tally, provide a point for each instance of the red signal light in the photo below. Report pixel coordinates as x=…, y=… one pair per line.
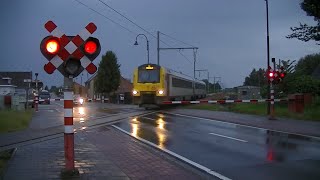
x=52, y=46
x=271, y=74
x=90, y=47
x=282, y=75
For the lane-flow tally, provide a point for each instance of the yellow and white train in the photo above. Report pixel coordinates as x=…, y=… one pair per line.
x=153, y=84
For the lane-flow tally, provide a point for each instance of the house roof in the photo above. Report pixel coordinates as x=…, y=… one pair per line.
x=17, y=78
x=92, y=77
x=125, y=86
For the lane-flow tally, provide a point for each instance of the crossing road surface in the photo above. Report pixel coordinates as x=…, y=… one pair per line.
x=230, y=150
x=52, y=115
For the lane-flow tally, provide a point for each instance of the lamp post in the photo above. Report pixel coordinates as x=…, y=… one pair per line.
x=268, y=52
x=136, y=43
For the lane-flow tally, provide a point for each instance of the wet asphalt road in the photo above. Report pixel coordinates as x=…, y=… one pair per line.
x=52, y=114
x=235, y=151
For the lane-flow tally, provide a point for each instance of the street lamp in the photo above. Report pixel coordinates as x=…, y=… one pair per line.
x=136, y=43
x=268, y=52
x=36, y=82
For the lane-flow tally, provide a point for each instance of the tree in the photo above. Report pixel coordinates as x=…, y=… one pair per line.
x=108, y=77
x=283, y=87
x=308, y=64
x=216, y=87
x=256, y=78
x=212, y=87
x=57, y=90
x=53, y=88
x=304, y=84
x=46, y=88
x=299, y=77
x=306, y=32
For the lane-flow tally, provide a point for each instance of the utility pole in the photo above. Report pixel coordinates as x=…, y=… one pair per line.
x=272, y=93
x=268, y=52
x=194, y=60
x=208, y=84
x=214, y=82
x=179, y=48
x=158, y=47
x=199, y=70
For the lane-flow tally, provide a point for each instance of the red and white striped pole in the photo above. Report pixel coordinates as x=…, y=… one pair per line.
x=36, y=102
x=271, y=103
x=68, y=126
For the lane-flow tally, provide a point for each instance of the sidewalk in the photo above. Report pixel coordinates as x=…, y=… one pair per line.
x=308, y=128
x=100, y=153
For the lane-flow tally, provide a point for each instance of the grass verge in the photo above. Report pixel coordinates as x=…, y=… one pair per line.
x=4, y=158
x=311, y=112
x=14, y=120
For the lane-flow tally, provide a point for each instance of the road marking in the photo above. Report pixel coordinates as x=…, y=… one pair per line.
x=203, y=168
x=148, y=118
x=182, y=115
x=61, y=105
x=228, y=137
x=152, y=112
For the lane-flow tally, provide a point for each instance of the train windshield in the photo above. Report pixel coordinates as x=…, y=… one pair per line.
x=149, y=76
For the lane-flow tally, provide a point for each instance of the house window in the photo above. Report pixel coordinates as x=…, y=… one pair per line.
x=244, y=93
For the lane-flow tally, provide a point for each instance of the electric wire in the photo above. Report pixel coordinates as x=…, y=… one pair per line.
x=144, y=29
x=126, y=18
x=105, y=17
x=177, y=39
x=129, y=21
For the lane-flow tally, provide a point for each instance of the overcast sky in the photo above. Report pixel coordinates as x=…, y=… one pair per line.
x=230, y=34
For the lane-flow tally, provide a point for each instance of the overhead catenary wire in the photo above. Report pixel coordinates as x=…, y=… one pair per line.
x=176, y=39
x=143, y=28
x=129, y=21
x=126, y=18
x=105, y=17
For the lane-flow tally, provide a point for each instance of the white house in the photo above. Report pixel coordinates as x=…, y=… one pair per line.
x=6, y=87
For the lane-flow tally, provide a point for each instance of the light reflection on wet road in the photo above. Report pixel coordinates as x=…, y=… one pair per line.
x=230, y=149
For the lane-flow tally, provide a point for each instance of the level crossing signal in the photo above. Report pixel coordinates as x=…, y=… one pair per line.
x=270, y=74
x=70, y=54
x=282, y=73
x=276, y=76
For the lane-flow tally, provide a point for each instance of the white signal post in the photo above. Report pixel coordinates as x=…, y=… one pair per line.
x=37, y=94
x=68, y=127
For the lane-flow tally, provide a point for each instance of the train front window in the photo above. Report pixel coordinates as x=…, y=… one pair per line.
x=148, y=76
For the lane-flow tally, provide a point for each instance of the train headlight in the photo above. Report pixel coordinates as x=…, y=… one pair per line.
x=135, y=92
x=161, y=92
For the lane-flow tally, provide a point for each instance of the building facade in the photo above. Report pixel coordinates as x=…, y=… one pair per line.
x=10, y=81
x=122, y=95
x=79, y=89
x=248, y=92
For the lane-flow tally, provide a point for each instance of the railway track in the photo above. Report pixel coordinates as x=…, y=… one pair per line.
x=58, y=132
